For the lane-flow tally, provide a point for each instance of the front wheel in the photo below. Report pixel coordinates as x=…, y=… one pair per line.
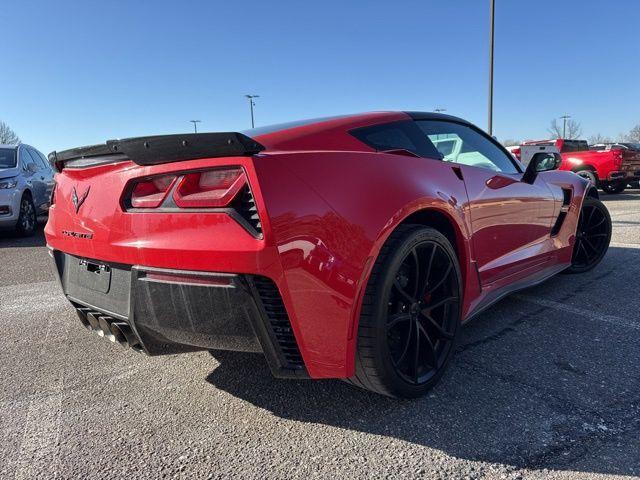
x=27, y=219
x=410, y=314
x=592, y=236
x=613, y=187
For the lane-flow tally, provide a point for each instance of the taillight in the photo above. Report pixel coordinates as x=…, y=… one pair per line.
x=209, y=189
x=617, y=158
x=152, y=192
x=218, y=190
x=516, y=152
x=190, y=278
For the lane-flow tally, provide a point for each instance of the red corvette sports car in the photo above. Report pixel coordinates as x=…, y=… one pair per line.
x=346, y=247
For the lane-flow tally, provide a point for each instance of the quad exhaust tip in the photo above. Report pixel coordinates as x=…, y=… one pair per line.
x=94, y=323
x=109, y=328
x=105, y=328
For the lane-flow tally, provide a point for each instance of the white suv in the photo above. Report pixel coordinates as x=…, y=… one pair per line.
x=26, y=181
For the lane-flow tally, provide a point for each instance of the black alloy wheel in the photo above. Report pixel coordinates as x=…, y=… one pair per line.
x=614, y=187
x=592, y=236
x=407, y=334
x=27, y=218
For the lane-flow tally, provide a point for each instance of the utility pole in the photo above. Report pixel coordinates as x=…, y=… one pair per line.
x=564, y=124
x=439, y=109
x=195, y=125
x=251, y=105
x=491, y=38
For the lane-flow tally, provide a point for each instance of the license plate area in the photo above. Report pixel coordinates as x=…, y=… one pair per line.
x=108, y=291
x=94, y=276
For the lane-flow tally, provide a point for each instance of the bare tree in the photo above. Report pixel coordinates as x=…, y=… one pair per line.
x=574, y=129
x=8, y=136
x=633, y=135
x=599, y=138
x=510, y=142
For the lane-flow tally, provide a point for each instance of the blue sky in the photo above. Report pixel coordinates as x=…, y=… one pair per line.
x=82, y=72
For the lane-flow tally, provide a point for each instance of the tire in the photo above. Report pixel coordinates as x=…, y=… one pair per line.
x=27, y=219
x=592, y=236
x=615, y=187
x=410, y=315
x=589, y=175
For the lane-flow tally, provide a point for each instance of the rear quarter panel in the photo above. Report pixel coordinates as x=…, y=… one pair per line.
x=329, y=214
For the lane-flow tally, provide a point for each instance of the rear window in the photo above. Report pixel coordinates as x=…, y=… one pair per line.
x=632, y=146
x=574, y=146
x=7, y=157
x=256, y=132
x=404, y=135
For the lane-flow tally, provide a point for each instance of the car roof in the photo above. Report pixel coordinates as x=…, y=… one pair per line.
x=349, y=119
x=332, y=133
x=4, y=145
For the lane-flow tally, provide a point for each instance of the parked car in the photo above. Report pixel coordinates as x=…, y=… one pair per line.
x=610, y=168
x=26, y=181
x=345, y=247
x=632, y=147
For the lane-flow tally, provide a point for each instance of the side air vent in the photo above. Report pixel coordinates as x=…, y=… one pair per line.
x=245, y=205
x=556, y=227
x=566, y=202
x=279, y=322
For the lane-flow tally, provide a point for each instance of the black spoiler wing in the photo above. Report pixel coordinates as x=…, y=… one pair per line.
x=159, y=149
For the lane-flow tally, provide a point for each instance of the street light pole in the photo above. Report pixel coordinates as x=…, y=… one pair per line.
x=564, y=124
x=195, y=125
x=491, y=42
x=251, y=105
x=439, y=109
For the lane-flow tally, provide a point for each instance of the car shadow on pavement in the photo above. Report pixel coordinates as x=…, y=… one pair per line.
x=539, y=381
x=11, y=239
x=626, y=195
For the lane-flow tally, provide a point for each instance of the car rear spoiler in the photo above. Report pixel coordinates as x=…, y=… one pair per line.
x=158, y=149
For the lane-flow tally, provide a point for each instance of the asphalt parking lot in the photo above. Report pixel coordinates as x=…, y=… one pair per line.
x=544, y=384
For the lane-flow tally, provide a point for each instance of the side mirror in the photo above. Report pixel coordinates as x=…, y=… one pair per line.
x=31, y=168
x=541, y=162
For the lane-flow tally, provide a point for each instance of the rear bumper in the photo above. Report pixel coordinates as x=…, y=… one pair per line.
x=628, y=175
x=174, y=311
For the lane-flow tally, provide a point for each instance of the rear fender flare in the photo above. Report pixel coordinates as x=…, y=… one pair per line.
x=456, y=219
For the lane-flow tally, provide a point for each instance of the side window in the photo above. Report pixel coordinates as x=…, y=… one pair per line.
x=461, y=144
x=39, y=158
x=574, y=146
x=27, y=159
x=403, y=135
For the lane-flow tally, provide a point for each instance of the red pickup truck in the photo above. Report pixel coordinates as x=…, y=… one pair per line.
x=609, y=166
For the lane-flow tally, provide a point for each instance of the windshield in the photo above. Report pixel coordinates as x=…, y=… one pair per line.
x=632, y=146
x=7, y=157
